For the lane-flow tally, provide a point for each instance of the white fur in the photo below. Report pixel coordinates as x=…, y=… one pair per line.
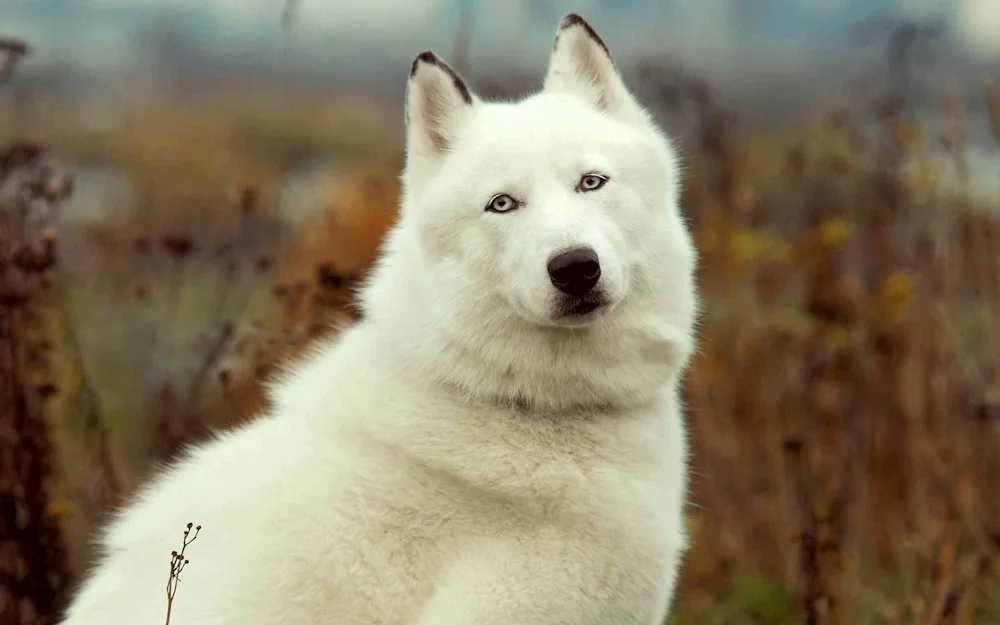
x=464, y=455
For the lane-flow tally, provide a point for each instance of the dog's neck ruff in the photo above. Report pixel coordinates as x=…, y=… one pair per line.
x=523, y=406
x=605, y=370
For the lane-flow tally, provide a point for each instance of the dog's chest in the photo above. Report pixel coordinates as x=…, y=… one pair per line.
x=600, y=539
x=603, y=545
x=619, y=544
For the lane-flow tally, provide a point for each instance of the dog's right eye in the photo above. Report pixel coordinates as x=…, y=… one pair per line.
x=502, y=203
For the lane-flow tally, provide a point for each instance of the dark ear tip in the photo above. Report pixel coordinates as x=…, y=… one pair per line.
x=429, y=58
x=424, y=57
x=572, y=19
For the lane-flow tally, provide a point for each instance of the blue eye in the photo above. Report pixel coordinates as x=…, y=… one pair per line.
x=591, y=182
x=502, y=203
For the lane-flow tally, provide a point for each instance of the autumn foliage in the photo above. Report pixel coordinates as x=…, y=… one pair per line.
x=844, y=403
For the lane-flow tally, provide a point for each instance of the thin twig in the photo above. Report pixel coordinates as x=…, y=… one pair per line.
x=177, y=564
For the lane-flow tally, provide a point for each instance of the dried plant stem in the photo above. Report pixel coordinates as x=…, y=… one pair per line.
x=178, y=562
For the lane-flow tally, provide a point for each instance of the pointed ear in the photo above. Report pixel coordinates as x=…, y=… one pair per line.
x=437, y=104
x=582, y=66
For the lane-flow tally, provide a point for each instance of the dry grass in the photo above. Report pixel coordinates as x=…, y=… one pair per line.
x=33, y=564
x=844, y=405
x=844, y=399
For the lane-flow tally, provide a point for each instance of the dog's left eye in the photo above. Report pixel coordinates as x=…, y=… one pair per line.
x=502, y=203
x=591, y=182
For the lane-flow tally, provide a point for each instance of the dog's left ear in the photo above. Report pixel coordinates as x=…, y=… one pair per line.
x=437, y=104
x=581, y=65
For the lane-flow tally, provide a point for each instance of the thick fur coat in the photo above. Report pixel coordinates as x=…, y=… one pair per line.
x=500, y=440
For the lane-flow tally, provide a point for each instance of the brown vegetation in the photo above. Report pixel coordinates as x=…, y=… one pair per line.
x=33, y=566
x=844, y=405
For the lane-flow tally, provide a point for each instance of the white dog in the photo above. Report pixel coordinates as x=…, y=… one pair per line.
x=500, y=440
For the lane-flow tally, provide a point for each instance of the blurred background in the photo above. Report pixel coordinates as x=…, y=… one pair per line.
x=189, y=190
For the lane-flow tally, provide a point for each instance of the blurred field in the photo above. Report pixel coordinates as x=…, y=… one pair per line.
x=845, y=403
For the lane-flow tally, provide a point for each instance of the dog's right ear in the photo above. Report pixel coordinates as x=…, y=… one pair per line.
x=437, y=104
x=581, y=65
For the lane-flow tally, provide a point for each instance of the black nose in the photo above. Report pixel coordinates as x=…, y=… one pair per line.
x=575, y=272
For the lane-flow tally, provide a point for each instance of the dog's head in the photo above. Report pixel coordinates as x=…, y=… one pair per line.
x=559, y=211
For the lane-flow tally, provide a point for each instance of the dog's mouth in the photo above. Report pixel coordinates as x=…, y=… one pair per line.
x=580, y=309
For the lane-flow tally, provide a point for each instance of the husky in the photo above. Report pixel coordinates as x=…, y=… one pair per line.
x=499, y=440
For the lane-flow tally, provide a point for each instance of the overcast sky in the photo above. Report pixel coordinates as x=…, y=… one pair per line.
x=345, y=39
